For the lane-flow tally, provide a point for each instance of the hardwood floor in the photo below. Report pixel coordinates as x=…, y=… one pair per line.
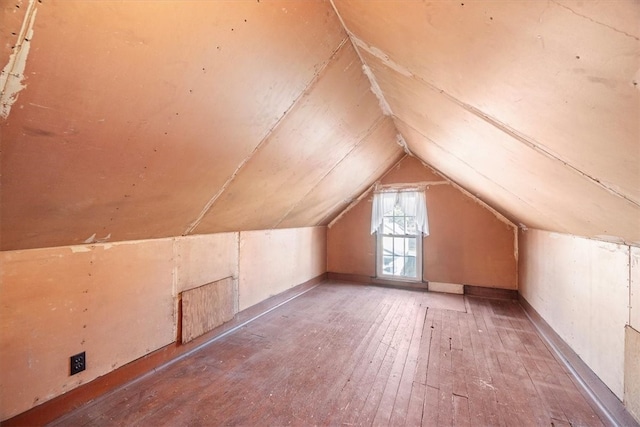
x=344, y=354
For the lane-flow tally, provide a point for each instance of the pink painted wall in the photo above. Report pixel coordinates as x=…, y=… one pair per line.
x=468, y=243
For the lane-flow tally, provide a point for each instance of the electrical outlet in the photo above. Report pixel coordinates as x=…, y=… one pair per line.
x=78, y=363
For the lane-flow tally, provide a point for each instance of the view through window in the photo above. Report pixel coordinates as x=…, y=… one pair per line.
x=399, y=240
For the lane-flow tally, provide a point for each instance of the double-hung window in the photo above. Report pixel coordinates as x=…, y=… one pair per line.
x=399, y=218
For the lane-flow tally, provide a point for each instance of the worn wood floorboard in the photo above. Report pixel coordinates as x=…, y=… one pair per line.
x=344, y=354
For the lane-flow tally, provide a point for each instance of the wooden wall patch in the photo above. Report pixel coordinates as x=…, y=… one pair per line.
x=206, y=307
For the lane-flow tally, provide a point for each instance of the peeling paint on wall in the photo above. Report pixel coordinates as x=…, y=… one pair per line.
x=375, y=88
x=13, y=73
x=386, y=60
x=401, y=142
x=93, y=239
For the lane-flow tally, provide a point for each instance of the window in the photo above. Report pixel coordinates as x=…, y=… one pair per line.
x=400, y=219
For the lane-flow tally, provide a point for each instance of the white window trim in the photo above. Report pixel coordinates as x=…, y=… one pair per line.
x=379, y=271
x=419, y=237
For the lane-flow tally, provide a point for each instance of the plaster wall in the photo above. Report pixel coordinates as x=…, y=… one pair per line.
x=632, y=372
x=634, y=283
x=581, y=288
x=271, y=262
x=118, y=302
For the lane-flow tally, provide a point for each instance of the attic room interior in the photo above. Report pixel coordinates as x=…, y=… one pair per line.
x=320, y=212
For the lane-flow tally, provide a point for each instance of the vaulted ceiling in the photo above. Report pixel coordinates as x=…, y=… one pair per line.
x=134, y=120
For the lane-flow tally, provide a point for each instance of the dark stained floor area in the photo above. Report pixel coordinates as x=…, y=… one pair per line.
x=344, y=354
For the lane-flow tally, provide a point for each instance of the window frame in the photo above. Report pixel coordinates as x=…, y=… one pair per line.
x=380, y=254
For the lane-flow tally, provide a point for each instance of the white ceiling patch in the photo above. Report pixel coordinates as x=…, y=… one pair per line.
x=401, y=142
x=13, y=73
x=375, y=88
x=382, y=56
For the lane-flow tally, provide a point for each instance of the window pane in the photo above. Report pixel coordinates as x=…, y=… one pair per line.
x=400, y=256
x=387, y=245
x=398, y=246
x=410, y=267
x=398, y=265
x=411, y=246
x=387, y=265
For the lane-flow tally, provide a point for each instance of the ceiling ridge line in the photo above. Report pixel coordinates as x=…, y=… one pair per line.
x=375, y=88
x=372, y=129
x=365, y=192
x=387, y=61
x=479, y=173
x=207, y=207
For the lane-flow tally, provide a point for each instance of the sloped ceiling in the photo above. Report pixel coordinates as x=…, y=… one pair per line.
x=533, y=106
x=161, y=118
x=133, y=120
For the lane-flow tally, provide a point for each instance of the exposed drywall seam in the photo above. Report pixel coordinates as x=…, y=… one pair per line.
x=504, y=127
x=485, y=177
x=401, y=142
x=224, y=187
x=372, y=129
x=13, y=73
x=382, y=56
x=516, y=255
x=375, y=88
x=365, y=193
x=174, y=285
x=594, y=21
x=630, y=293
x=174, y=270
x=236, y=289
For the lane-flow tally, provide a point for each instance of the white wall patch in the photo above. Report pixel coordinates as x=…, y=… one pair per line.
x=13, y=73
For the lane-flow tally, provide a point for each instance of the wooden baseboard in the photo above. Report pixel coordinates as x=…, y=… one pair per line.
x=470, y=290
x=156, y=360
x=604, y=401
x=344, y=277
x=367, y=280
x=496, y=293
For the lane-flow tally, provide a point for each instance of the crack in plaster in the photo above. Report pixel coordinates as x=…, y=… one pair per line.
x=594, y=21
x=13, y=73
x=262, y=142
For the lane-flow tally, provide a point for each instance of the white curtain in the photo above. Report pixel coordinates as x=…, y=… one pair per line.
x=412, y=203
